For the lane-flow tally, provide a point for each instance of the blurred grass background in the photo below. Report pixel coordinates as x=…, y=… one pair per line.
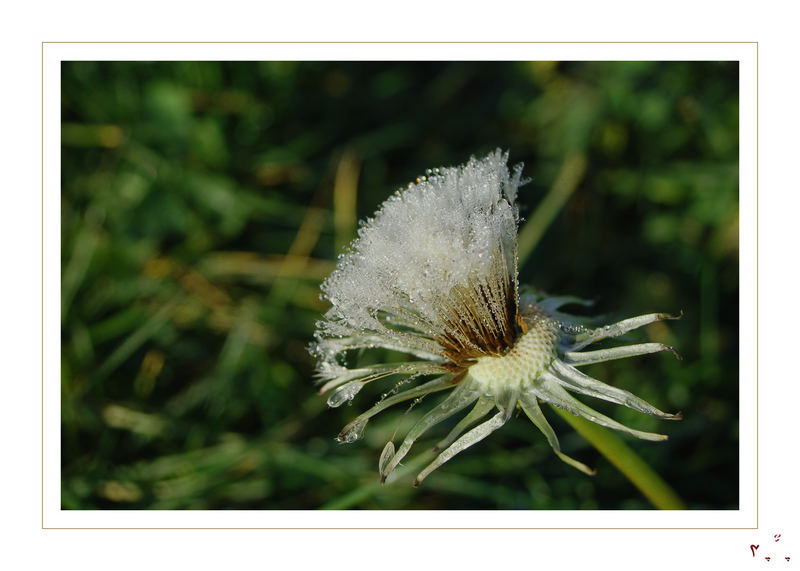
x=203, y=203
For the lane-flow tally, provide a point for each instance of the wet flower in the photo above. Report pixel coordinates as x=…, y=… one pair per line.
x=434, y=275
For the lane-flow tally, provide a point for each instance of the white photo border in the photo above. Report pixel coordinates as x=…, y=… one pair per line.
x=746, y=517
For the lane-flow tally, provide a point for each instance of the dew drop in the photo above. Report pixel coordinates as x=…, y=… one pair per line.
x=344, y=394
x=354, y=432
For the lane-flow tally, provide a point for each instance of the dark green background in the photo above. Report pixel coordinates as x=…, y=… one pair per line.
x=185, y=377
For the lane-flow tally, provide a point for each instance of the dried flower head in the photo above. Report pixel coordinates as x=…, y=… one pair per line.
x=434, y=275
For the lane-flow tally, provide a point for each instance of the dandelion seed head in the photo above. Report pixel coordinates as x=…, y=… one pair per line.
x=433, y=274
x=441, y=232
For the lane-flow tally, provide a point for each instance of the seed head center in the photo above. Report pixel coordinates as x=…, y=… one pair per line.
x=527, y=359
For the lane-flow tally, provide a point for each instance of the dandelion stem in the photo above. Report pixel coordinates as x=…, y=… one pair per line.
x=626, y=461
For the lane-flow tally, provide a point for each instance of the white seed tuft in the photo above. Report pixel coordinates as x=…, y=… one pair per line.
x=455, y=227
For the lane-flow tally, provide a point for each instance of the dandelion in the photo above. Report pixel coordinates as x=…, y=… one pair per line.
x=434, y=275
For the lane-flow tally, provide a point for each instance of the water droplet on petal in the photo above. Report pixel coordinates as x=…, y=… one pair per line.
x=344, y=394
x=353, y=433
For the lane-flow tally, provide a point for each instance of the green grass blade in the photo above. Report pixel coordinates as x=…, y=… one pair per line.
x=641, y=475
x=569, y=177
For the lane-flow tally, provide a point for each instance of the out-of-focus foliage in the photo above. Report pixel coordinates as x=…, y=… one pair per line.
x=203, y=203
